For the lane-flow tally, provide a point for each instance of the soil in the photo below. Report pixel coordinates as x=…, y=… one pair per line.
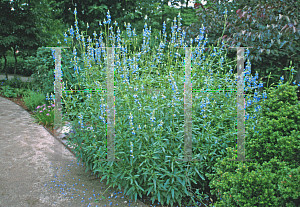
x=32, y=174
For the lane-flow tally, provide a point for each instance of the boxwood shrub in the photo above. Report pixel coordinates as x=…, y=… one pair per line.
x=273, y=178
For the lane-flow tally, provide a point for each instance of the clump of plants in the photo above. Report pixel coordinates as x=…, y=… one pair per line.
x=45, y=115
x=43, y=67
x=279, y=127
x=13, y=87
x=32, y=99
x=7, y=91
x=149, y=127
x=272, y=179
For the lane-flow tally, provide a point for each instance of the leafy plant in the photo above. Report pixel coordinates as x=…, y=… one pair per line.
x=26, y=85
x=8, y=92
x=151, y=125
x=279, y=127
x=33, y=99
x=43, y=65
x=20, y=91
x=45, y=114
x=14, y=82
x=271, y=28
x=43, y=71
x=272, y=179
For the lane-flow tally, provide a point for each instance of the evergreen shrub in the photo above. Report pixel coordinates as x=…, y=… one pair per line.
x=273, y=178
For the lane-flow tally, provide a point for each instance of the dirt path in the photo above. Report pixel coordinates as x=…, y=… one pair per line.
x=29, y=175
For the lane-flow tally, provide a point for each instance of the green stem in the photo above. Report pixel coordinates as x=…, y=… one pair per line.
x=105, y=191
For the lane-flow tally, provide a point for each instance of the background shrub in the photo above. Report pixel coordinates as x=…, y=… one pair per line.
x=271, y=28
x=43, y=69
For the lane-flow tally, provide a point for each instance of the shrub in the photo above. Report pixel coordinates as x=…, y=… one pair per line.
x=279, y=128
x=43, y=66
x=13, y=83
x=272, y=183
x=271, y=29
x=274, y=144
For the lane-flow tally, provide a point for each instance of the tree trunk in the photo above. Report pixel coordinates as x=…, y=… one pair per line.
x=5, y=62
x=15, y=62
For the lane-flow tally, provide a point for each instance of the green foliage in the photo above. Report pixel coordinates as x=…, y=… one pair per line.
x=8, y=92
x=270, y=28
x=14, y=87
x=278, y=127
x=52, y=28
x=272, y=183
x=43, y=67
x=274, y=144
x=19, y=28
x=14, y=82
x=10, y=67
x=24, y=29
x=188, y=16
x=94, y=11
x=33, y=99
x=163, y=13
x=150, y=126
x=45, y=114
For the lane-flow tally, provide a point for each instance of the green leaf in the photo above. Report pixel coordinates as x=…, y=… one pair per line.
x=282, y=44
x=292, y=49
x=172, y=192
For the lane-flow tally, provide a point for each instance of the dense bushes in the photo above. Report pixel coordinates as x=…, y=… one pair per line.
x=43, y=67
x=273, y=178
x=271, y=28
x=279, y=128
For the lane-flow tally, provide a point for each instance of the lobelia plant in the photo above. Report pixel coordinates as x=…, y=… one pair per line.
x=148, y=125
